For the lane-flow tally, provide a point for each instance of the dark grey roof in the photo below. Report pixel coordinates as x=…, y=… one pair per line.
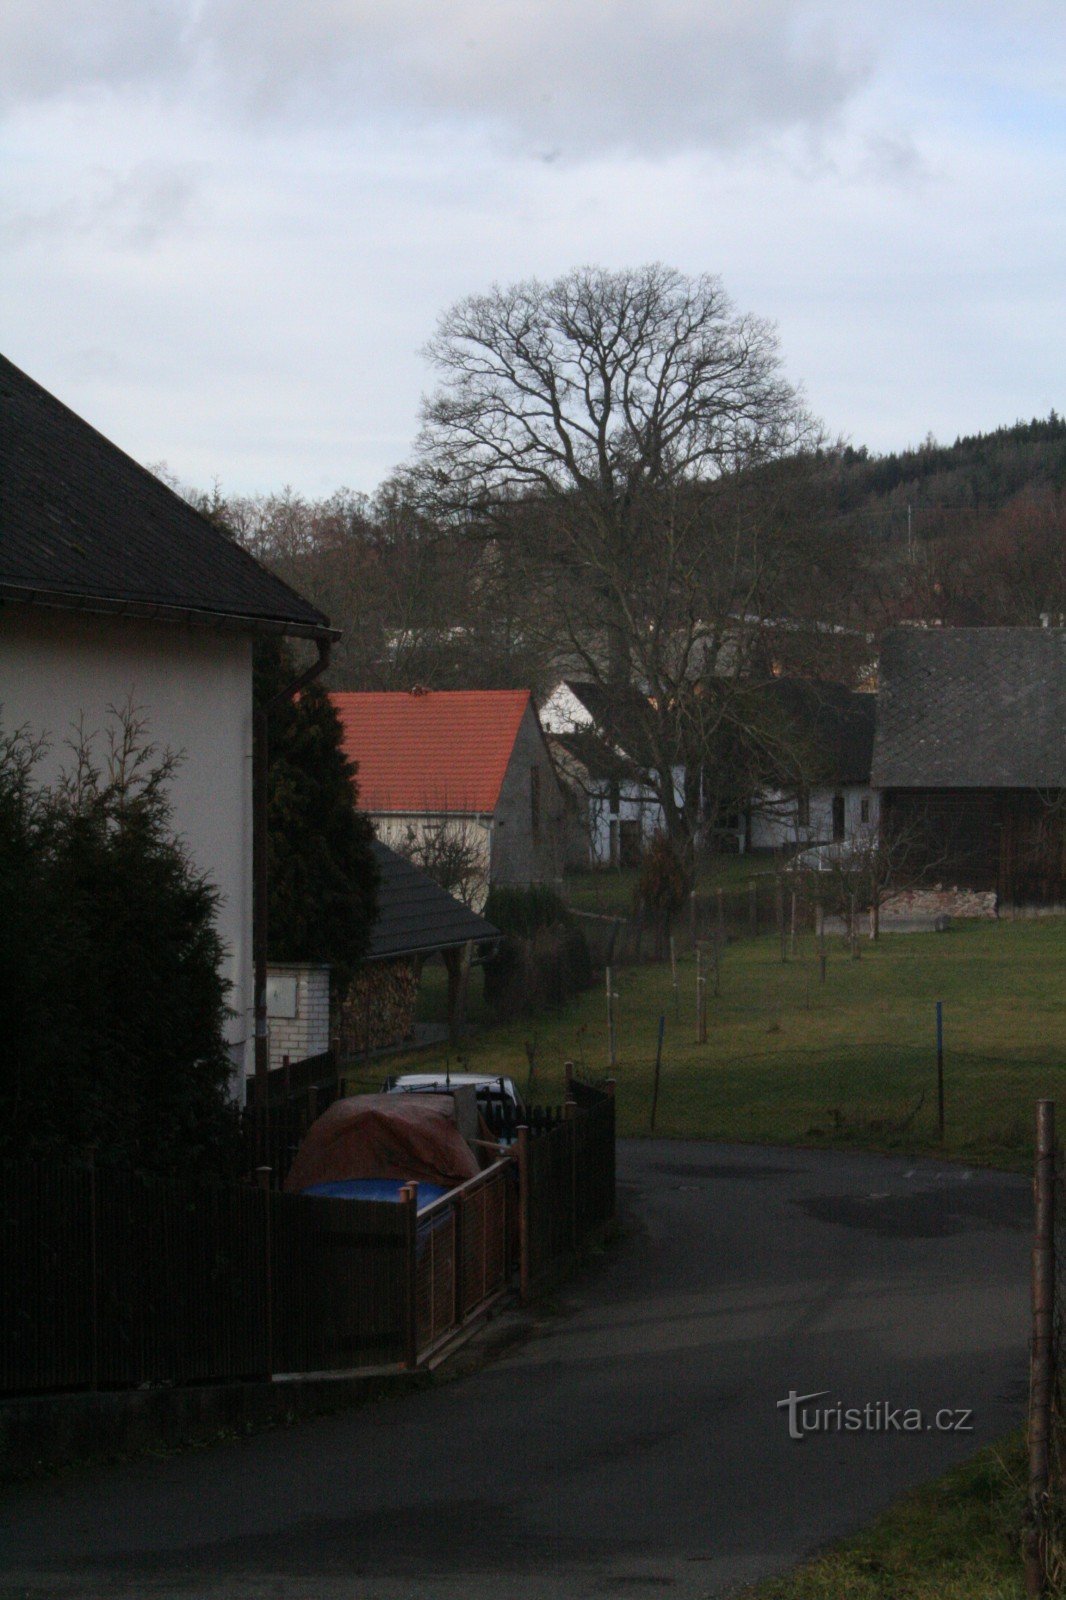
x=972, y=708
x=82, y=524
x=415, y=915
x=621, y=717
x=836, y=725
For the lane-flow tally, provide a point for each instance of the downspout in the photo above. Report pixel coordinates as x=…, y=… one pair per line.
x=260, y=753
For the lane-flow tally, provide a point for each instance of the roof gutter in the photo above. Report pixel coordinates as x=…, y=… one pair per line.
x=156, y=611
x=260, y=757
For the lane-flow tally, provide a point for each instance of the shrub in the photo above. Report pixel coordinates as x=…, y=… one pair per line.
x=524, y=911
x=531, y=975
x=112, y=1002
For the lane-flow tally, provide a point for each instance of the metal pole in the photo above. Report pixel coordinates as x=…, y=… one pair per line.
x=701, y=998
x=940, y=1068
x=658, y=1065
x=673, y=977
x=1041, y=1368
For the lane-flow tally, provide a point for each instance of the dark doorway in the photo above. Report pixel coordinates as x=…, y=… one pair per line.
x=838, y=818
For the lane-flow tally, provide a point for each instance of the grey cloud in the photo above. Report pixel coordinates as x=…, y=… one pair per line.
x=893, y=158
x=574, y=76
x=128, y=210
x=48, y=47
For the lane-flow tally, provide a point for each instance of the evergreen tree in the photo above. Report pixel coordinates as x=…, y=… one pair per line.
x=322, y=894
x=112, y=1003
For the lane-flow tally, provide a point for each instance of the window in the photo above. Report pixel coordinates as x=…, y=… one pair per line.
x=864, y=808
x=803, y=809
x=534, y=798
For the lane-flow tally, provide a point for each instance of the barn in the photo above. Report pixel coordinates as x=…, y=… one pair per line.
x=970, y=756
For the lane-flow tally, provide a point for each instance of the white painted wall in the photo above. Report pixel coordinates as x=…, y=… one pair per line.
x=400, y=829
x=774, y=824
x=302, y=1028
x=194, y=688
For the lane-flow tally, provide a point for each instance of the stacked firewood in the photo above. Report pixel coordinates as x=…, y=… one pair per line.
x=379, y=1008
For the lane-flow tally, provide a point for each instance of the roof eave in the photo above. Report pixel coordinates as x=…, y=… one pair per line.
x=154, y=611
x=434, y=949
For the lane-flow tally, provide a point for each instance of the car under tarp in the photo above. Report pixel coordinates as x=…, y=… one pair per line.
x=413, y=1138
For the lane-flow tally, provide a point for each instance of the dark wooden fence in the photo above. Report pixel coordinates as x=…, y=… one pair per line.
x=296, y=1093
x=567, y=1184
x=115, y=1281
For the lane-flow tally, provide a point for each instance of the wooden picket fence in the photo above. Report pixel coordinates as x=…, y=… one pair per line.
x=114, y=1281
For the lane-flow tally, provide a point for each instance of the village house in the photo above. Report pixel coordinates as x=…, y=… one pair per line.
x=462, y=777
x=115, y=593
x=614, y=801
x=970, y=756
x=826, y=797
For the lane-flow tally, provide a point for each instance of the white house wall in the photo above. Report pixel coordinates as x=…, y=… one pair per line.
x=774, y=825
x=404, y=831
x=194, y=690
x=634, y=805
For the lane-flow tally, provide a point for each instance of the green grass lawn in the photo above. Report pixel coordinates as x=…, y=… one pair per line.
x=957, y=1539
x=788, y=1060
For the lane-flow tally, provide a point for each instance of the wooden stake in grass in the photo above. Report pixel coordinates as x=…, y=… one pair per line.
x=701, y=998
x=779, y=911
x=718, y=965
x=658, y=1066
x=822, y=956
x=612, y=1049
x=753, y=908
x=673, y=978
x=792, y=933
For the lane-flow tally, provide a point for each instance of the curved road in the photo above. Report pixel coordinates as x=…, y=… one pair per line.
x=632, y=1445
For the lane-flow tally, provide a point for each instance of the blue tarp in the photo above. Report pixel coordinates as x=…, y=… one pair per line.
x=375, y=1189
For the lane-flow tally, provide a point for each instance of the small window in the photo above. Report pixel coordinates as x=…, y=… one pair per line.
x=803, y=809
x=864, y=809
x=534, y=798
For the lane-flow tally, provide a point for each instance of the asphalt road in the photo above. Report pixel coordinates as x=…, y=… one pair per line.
x=633, y=1444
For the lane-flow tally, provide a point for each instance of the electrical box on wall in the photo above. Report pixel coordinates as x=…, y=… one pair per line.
x=281, y=989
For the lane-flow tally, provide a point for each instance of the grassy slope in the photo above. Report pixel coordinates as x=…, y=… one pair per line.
x=957, y=1539
x=788, y=1060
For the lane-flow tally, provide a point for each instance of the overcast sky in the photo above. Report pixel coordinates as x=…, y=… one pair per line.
x=228, y=226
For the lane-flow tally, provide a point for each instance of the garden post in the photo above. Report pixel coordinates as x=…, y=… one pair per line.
x=1042, y=1366
x=522, y=1146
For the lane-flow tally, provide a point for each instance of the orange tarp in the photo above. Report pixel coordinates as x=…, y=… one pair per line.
x=385, y=1136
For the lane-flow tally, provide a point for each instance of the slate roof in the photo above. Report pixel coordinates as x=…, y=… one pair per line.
x=619, y=715
x=415, y=915
x=972, y=708
x=82, y=524
x=591, y=751
x=836, y=723
x=431, y=750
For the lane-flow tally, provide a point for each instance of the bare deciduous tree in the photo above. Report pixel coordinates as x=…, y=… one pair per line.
x=629, y=443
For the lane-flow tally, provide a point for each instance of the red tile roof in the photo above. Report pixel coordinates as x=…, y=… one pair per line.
x=431, y=750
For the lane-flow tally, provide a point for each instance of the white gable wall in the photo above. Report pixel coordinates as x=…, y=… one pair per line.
x=194, y=689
